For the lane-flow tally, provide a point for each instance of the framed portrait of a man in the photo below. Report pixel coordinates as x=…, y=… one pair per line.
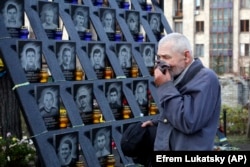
x=83, y=96
x=140, y=91
x=113, y=92
x=132, y=18
x=124, y=53
x=49, y=15
x=66, y=56
x=97, y=55
x=148, y=53
x=66, y=146
x=30, y=54
x=154, y=20
x=80, y=17
x=13, y=15
x=108, y=19
x=48, y=101
x=102, y=141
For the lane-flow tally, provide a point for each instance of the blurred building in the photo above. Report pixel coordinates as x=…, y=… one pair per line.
x=218, y=30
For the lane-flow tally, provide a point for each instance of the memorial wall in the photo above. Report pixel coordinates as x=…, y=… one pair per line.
x=89, y=87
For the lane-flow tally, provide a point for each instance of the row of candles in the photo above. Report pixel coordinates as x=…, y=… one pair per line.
x=97, y=116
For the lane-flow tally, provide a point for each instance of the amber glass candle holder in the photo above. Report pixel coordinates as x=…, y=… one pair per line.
x=96, y=116
x=153, y=109
x=126, y=112
x=79, y=164
x=63, y=119
x=44, y=76
x=79, y=74
x=134, y=71
x=110, y=161
x=108, y=73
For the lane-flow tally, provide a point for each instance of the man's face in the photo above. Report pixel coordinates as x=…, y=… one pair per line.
x=83, y=98
x=108, y=20
x=30, y=58
x=113, y=97
x=11, y=16
x=174, y=59
x=48, y=101
x=97, y=58
x=124, y=58
x=79, y=20
x=49, y=15
x=132, y=25
x=66, y=57
x=101, y=141
x=148, y=57
x=154, y=24
x=65, y=150
x=140, y=93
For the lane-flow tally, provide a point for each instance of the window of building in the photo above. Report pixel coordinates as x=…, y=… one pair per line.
x=220, y=13
x=199, y=4
x=199, y=50
x=221, y=64
x=178, y=7
x=244, y=49
x=244, y=26
x=214, y=14
x=178, y=27
x=199, y=26
x=244, y=3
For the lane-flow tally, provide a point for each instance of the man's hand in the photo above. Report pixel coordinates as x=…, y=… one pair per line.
x=160, y=78
x=147, y=123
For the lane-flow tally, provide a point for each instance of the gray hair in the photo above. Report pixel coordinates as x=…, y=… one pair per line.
x=180, y=42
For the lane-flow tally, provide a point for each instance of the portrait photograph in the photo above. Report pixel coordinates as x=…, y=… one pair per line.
x=13, y=13
x=133, y=21
x=108, y=19
x=154, y=20
x=66, y=56
x=102, y=140
x=66, y=146
x=140, y=91
x=30, y=54
x=49, y=14
x=97, y=54
x=13, y=16
x=148, y=54
x=113, y=92
x=48, y=100
x=83, y=97
x=80, y=17
x=124, y=54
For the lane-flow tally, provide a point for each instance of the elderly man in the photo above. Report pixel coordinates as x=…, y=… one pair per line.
x=190, y=98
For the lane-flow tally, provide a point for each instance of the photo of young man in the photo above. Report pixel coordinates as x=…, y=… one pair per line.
x=13, y=13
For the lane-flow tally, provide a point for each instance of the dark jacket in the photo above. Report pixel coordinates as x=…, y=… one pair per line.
x=191, y=111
